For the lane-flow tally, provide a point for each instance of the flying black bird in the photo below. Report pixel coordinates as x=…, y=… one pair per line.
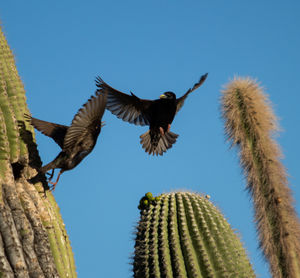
x=76, y=141
x=158, y=114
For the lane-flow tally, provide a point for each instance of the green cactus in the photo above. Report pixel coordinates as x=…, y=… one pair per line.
x=12, y=101
x=249, y=124
x=183, y=234
x=35, y=243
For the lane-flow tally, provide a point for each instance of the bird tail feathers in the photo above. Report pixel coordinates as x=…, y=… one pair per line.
x=156, y=144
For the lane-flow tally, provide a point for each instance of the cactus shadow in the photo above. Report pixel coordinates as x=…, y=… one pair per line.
x=33, y=155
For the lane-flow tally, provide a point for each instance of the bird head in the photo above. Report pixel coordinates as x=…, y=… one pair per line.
x=168, y=95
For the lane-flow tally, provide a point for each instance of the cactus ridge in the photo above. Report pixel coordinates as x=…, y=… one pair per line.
x=176, y=251
x=184, y=235
x=204, y=245
x=12, y=106
x=164, y=252
x=10, y=123
x=4, y=146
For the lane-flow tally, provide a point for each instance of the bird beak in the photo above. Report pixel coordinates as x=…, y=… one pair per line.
x=163, y=96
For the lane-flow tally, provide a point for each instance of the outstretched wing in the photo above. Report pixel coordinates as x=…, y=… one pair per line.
x=180, y=101
x=129, y=108
x=87, y=120
x=55, y=131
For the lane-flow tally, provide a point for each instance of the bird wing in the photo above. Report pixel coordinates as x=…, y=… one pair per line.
x=129, y=108
x=180, y=101
x=87, y=119
x=55, y=131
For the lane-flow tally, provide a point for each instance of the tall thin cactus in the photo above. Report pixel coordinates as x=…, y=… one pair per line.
x=33, y=240
x=183, y=234
x=249, y=124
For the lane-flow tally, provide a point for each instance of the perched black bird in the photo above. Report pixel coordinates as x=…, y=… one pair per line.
x=76, y=141
x=158, y=114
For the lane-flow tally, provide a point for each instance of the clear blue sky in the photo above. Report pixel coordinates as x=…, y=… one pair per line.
x=148, y=48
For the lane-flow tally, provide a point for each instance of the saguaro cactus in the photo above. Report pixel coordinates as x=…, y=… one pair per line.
x=249, y=122
x=33, y=240
x=183, y=234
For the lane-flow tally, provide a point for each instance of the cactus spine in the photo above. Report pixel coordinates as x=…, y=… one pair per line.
x=249, y=122
x=33, y=240
x=184, y=235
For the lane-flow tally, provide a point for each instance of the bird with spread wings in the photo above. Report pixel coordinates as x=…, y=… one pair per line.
x=76, y=140
x=158, y=114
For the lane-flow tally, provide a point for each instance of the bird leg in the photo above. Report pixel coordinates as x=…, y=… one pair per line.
x=51, y=175
x=161, y=130
x=55, y=183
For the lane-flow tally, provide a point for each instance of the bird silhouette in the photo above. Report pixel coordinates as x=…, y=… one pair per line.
x=77, y=140
x=158, y=114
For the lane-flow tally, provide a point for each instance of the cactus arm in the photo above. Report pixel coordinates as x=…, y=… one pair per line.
x=33, y=240
x=249, y=124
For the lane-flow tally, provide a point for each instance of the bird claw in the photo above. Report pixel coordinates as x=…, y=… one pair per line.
x=51, y=175
x=52, y=188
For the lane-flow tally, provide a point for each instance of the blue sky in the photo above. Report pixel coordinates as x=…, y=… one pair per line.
x=148, y=48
